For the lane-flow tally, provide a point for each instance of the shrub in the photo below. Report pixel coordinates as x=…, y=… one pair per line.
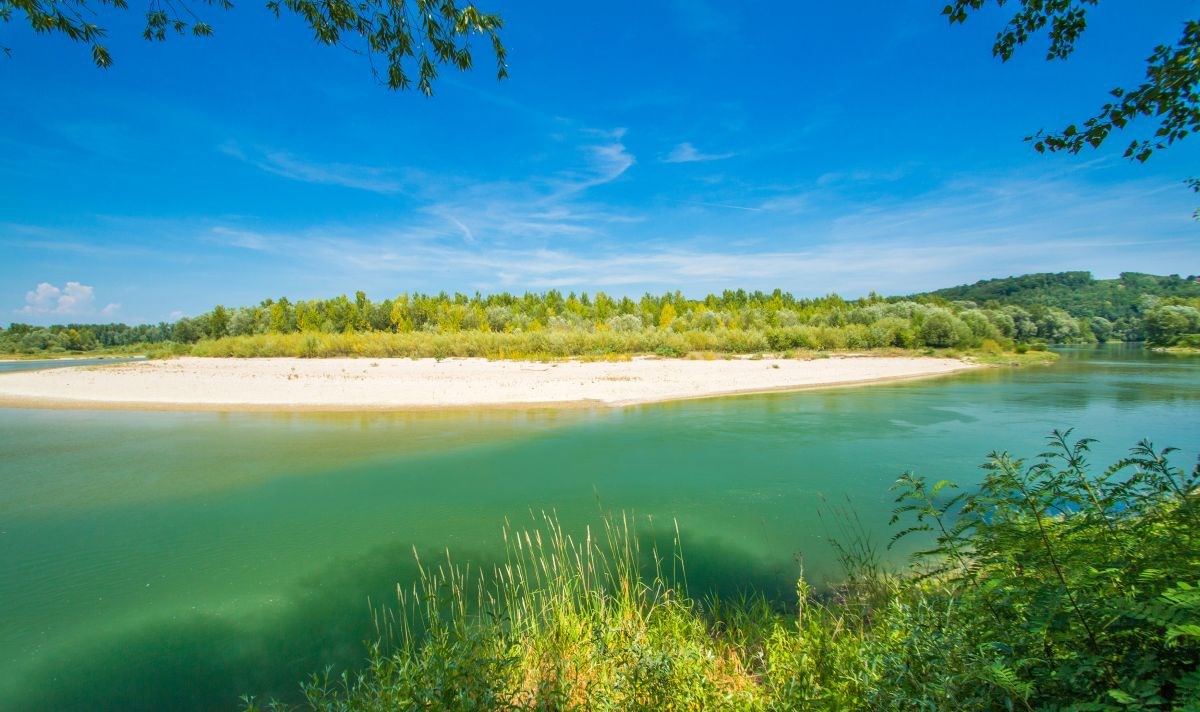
x=940, y=329
x=625, y=323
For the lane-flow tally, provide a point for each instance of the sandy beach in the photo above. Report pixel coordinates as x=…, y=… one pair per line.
x=397, y=384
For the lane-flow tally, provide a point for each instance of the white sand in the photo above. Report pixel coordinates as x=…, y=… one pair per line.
x=367, y=384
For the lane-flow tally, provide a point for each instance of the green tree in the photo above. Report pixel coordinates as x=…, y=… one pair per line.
x=1166, y=323
x=1101, y=328
x=218, y=322
x=940, y=329
x=1168, y=96
x=186, y=331
x=406, y=36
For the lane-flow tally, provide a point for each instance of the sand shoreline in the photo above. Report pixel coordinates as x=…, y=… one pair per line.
x=365, y=384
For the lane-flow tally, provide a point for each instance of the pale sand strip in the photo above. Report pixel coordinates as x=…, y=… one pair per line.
x=399, y=384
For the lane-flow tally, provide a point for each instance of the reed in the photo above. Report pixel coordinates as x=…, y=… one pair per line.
x=559, y=344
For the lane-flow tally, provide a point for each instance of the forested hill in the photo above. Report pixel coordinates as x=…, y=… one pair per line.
x=1077, y=293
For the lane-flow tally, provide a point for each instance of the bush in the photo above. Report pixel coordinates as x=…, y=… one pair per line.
x=1190, y=341
x=625, y=323
x=940, y=329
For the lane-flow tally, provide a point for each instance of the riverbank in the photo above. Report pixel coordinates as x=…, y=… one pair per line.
x=190, y=383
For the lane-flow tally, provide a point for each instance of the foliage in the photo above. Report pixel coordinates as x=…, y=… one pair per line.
x=1079, y=584
x=1050, y=587
x=1169, y=96
x=407, y=35
x=1168, y=324
x=81, y=338
x=994, y=316
x=1047, y=301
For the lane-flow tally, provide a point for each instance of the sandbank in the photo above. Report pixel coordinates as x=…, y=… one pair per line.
x=333, y=384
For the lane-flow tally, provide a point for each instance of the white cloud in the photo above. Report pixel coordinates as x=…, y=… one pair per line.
x=862, y=176
x=607, y=162
x=518, y=236
x=374, y=179
x=111, y=309
x=687, y=153
x=74, y=299
x=242, y=238
x=546, y=206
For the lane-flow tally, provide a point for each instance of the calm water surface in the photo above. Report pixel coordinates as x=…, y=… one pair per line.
x=41, y=364
x=176, y=560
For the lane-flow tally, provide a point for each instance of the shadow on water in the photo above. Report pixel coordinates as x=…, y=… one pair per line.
x=206, y=662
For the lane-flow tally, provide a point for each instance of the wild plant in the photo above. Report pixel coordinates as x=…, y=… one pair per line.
x=1057, y=565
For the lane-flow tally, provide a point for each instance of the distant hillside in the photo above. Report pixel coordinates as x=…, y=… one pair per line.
x=1077, y=293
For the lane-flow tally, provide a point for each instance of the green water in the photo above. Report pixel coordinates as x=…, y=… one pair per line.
x=177, y=560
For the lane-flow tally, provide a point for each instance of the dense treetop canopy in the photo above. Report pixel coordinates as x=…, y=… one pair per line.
x=1078, y=292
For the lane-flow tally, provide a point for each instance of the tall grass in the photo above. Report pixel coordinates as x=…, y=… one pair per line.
x=1051, y=587
x=550, y=344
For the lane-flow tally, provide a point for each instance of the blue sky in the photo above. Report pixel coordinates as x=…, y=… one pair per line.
x=637, y=146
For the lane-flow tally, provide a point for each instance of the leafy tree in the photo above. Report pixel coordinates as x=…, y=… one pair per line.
x=1057, y=326
x=667, y=316
x=218, y=322
x=1168, y=96
x=186, y=331
x=407, y=36
x=940, y=329
x=1121, y=301
x=1101, y=328
x=1166, y=323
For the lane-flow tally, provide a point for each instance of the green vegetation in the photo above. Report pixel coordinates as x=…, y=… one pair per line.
x=1168, y=97
x=1051, y=587
x=400, y=35
x=1133, y=307
x=989, y=318
x=75, y=339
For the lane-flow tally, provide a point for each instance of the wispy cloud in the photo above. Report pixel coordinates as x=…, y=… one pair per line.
x=375, y=179
x=543, y=206
x=848, y=268
x=687, y=153
x=965, y=229
x=863, y=176
x=246, y=239
x=728, y=206
x=576, y=224
x=606, y=161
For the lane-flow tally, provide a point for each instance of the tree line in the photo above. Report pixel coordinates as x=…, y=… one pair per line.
x=1161, y=310
x=1061, y=308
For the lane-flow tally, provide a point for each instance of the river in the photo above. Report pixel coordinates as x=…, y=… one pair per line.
x=171, y=560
